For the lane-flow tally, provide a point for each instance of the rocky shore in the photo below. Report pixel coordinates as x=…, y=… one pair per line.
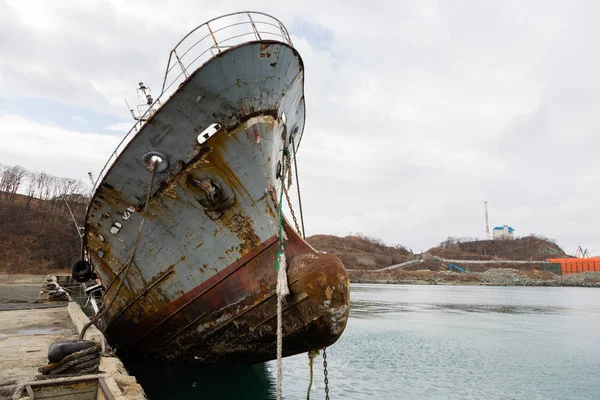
x=491, y=277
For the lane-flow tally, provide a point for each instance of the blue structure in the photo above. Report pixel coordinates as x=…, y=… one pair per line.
x=503, y=232
x=456, y=267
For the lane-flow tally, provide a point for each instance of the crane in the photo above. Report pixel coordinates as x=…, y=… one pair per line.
x=580, y=253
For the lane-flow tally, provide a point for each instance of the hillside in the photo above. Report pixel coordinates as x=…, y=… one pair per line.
x=37, y=236
x=360, y=252
x=526, y=248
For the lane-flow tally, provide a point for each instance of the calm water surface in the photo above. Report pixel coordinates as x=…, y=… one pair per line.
x=429, y=342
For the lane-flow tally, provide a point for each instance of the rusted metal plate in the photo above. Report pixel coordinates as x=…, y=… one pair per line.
x=201, y=287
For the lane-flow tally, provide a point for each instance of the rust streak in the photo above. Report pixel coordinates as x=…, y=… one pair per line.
x=179, y=332
x=303, y=297
x=241, y=226
x=256, y=305
x=138, y=297
x=251, y=308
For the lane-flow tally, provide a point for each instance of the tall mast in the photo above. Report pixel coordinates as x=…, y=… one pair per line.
x=487, y=222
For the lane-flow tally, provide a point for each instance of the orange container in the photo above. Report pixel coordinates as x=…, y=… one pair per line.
x=576, y=265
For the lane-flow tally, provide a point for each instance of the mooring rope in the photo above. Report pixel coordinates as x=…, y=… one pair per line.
x=282, y=288
x=81, y=362
x=311, y=356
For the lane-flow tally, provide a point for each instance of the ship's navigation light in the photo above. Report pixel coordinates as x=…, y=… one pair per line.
x=144, y=108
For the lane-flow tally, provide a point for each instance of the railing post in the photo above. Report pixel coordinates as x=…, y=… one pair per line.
x=213, y=36
x=162, y=90
x=254, y=27
x=284, y=33
x=180, y=64
x=281, y=30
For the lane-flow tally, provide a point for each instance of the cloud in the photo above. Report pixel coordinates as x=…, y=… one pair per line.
x=42, y=147
x=417, y=111
x=80, y=119
x=120, y=127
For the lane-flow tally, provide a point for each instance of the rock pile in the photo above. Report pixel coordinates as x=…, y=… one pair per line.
x=505, y=277
x=512, y=277
x=589, y=279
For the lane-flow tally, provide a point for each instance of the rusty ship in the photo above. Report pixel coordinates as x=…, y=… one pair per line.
x=183, y=230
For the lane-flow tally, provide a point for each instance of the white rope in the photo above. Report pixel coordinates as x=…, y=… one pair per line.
x=282, y=291
x=282, y=282
x=282, y=288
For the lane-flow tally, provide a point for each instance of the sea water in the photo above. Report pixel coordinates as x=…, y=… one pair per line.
x=428, y=342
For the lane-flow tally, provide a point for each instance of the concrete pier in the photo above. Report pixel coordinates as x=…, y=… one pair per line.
x=29, y=327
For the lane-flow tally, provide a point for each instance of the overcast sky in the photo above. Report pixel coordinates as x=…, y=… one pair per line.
x=417, y=111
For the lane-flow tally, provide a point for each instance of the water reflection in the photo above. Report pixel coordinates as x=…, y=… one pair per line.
x=174, y=382
x=368, y=309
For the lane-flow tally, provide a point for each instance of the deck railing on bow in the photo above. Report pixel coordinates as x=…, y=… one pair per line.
x=200, y=45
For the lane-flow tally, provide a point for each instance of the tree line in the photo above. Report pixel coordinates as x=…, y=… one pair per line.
x=37, y=231
x=14, y=180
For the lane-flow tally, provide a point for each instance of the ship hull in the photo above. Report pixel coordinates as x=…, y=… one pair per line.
x=201, y=287
x=230, y=318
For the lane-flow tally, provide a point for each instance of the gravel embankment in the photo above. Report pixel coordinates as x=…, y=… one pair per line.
x=506, y=277
x=512, y=277
x=591, y=279
x=492, y=277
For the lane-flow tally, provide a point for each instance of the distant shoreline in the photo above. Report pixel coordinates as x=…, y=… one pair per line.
x=446, y=283
x=494, y=277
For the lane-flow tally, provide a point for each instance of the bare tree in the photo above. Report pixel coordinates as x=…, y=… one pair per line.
x=30, y=187
x=70, y=190
x=3, y=180
x=11, y=179
x=70, y=187
x=43, y=183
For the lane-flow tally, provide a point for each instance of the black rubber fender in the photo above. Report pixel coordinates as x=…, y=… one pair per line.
x=61, y=349
x=82, y=271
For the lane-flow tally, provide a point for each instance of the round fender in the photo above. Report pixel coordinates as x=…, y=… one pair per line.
x=82, y=271
x=61, y=349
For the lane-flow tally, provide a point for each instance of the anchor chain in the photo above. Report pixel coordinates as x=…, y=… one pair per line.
x=289, y=201
x=287, y=163
x=326, y=380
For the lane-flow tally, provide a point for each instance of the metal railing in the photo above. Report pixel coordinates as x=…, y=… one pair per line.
x=199, y=46
x=216, y=35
